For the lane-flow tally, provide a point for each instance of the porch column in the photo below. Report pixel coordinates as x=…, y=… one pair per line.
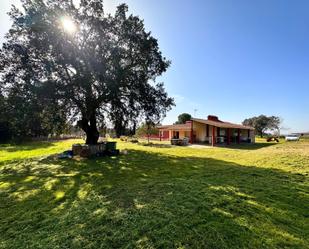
x=238, y=136
x=213, y=142
x=228, y=139
x=191, y=133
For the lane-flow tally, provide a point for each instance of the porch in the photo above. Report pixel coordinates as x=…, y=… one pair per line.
x=220, y=133
x=223, y=136
x=178, y=131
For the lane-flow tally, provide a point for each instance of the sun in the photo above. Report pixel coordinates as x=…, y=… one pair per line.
x=68, y=25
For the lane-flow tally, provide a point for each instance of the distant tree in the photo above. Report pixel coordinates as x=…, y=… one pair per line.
x=25, y=113
x=5, y=132
x=124, y=117
x=274, y=123
x=183, y=118
x=87, y=59
x=263, y=123
x=147, y=129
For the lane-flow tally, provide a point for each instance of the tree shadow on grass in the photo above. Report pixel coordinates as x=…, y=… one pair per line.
x=242, y=146
x=149, y=200
x=157, y=145
x=255, y=146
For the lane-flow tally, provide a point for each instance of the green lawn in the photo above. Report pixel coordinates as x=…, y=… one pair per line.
x=254, y=196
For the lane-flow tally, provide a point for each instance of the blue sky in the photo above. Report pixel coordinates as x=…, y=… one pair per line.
x=234, y=59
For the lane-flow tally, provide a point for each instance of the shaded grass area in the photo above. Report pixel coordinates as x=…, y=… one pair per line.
x=158, y=198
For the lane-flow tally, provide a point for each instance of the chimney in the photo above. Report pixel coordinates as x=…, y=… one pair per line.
x=212, y=118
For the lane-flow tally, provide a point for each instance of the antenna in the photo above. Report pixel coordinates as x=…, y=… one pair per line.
x=195, y=110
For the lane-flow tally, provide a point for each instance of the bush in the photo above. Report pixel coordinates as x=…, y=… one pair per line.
x=129, y=139
x=134, y=140
x=124, y=138
x=146, y=143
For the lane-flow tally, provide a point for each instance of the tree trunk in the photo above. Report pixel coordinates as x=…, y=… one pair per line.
x=89, y=126
x=119, y=128
x=148, y=132
x=134, y=129
x=261, y=134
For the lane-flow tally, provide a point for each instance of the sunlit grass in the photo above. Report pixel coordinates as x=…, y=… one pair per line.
x=33, y=149
x=247, y=196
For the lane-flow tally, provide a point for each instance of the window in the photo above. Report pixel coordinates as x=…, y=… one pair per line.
x=222, y=132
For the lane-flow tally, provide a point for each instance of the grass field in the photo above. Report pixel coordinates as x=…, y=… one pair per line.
x=253, y=196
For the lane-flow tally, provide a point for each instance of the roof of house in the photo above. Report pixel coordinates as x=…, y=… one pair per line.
x=222, y=124
x=182, y=127
x=212, y=120
x=301, y=133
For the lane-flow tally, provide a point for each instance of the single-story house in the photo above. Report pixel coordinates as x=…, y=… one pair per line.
x=211, y=130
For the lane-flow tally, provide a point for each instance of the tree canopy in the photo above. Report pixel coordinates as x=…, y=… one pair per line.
x=91, y=66
x=183, y=118
x=263, y=123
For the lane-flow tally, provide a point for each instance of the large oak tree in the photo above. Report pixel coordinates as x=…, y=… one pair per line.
x=263, y=123
x=91, y=63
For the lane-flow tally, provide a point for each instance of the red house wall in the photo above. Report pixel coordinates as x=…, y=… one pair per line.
x=165, y=136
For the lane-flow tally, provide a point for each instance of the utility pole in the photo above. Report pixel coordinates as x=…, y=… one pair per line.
x=195, y=110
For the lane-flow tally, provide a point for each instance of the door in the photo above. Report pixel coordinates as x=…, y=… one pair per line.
x=176, y=134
